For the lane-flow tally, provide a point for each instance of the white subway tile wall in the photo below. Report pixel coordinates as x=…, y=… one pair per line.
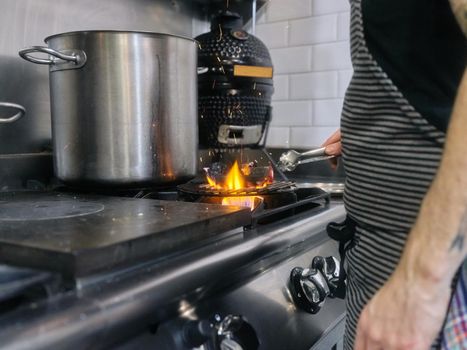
x=321, y=7
x=293, y=113
x=313, y=30
x=278, y=137
x=343, y=25
x=331, y=56
x=314, y=85
x=309, y=45
x=327, y=112
x=274, y=34
x=286, y=9
x=281, y=88
x=291, y=59
x=344, y=80
x=309, y=137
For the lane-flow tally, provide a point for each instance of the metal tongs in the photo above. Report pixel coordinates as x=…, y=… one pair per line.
x=291, y=159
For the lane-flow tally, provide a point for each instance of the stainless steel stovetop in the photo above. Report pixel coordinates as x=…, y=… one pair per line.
x=236, y=277
x=79, y=235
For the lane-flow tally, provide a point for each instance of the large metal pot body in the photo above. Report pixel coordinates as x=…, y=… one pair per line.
x=128, y=116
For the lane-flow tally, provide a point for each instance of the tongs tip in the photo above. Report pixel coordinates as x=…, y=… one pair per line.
x=289, y=160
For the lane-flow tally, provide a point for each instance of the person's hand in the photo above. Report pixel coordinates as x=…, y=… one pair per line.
x=333, y=147
x=403, y=315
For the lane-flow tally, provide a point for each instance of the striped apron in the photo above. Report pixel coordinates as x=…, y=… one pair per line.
x=391, y=154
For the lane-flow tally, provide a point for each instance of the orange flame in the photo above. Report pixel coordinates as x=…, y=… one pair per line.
x=235, y=180
x=243, y=201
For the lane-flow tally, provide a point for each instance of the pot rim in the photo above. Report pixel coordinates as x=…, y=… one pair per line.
x=85, y=32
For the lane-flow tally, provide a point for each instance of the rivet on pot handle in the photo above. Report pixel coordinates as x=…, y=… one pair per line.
x=21, y=112
x=67, y=59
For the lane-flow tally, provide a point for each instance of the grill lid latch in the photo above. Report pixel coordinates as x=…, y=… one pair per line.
x=239, y=134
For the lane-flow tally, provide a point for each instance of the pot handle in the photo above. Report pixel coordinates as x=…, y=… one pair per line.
x=20, y=114
x=72, y=58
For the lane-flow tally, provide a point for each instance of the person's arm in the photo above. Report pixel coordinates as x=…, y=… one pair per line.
x=408, y=312
x=459, y=7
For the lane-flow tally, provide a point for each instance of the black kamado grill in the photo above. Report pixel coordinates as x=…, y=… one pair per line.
x=234, y=85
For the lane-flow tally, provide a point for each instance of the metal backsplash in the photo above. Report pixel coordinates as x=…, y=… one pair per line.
x=27, y=22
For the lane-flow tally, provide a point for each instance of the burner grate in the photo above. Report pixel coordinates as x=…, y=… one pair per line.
x=203, y=189
x=279, y=200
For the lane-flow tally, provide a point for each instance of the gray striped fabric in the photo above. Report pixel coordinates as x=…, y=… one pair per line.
x=391, y=154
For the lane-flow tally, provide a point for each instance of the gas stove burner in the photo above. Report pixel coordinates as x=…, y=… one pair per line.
x=275, y=201
x=204, y=189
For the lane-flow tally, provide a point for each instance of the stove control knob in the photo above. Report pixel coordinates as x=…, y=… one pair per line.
x=235, y=333
x=230, y=344
x=330, y=268
x=308, y=288
x=197, y=333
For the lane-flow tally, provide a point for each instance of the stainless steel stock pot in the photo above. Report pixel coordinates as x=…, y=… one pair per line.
x=124, y=107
